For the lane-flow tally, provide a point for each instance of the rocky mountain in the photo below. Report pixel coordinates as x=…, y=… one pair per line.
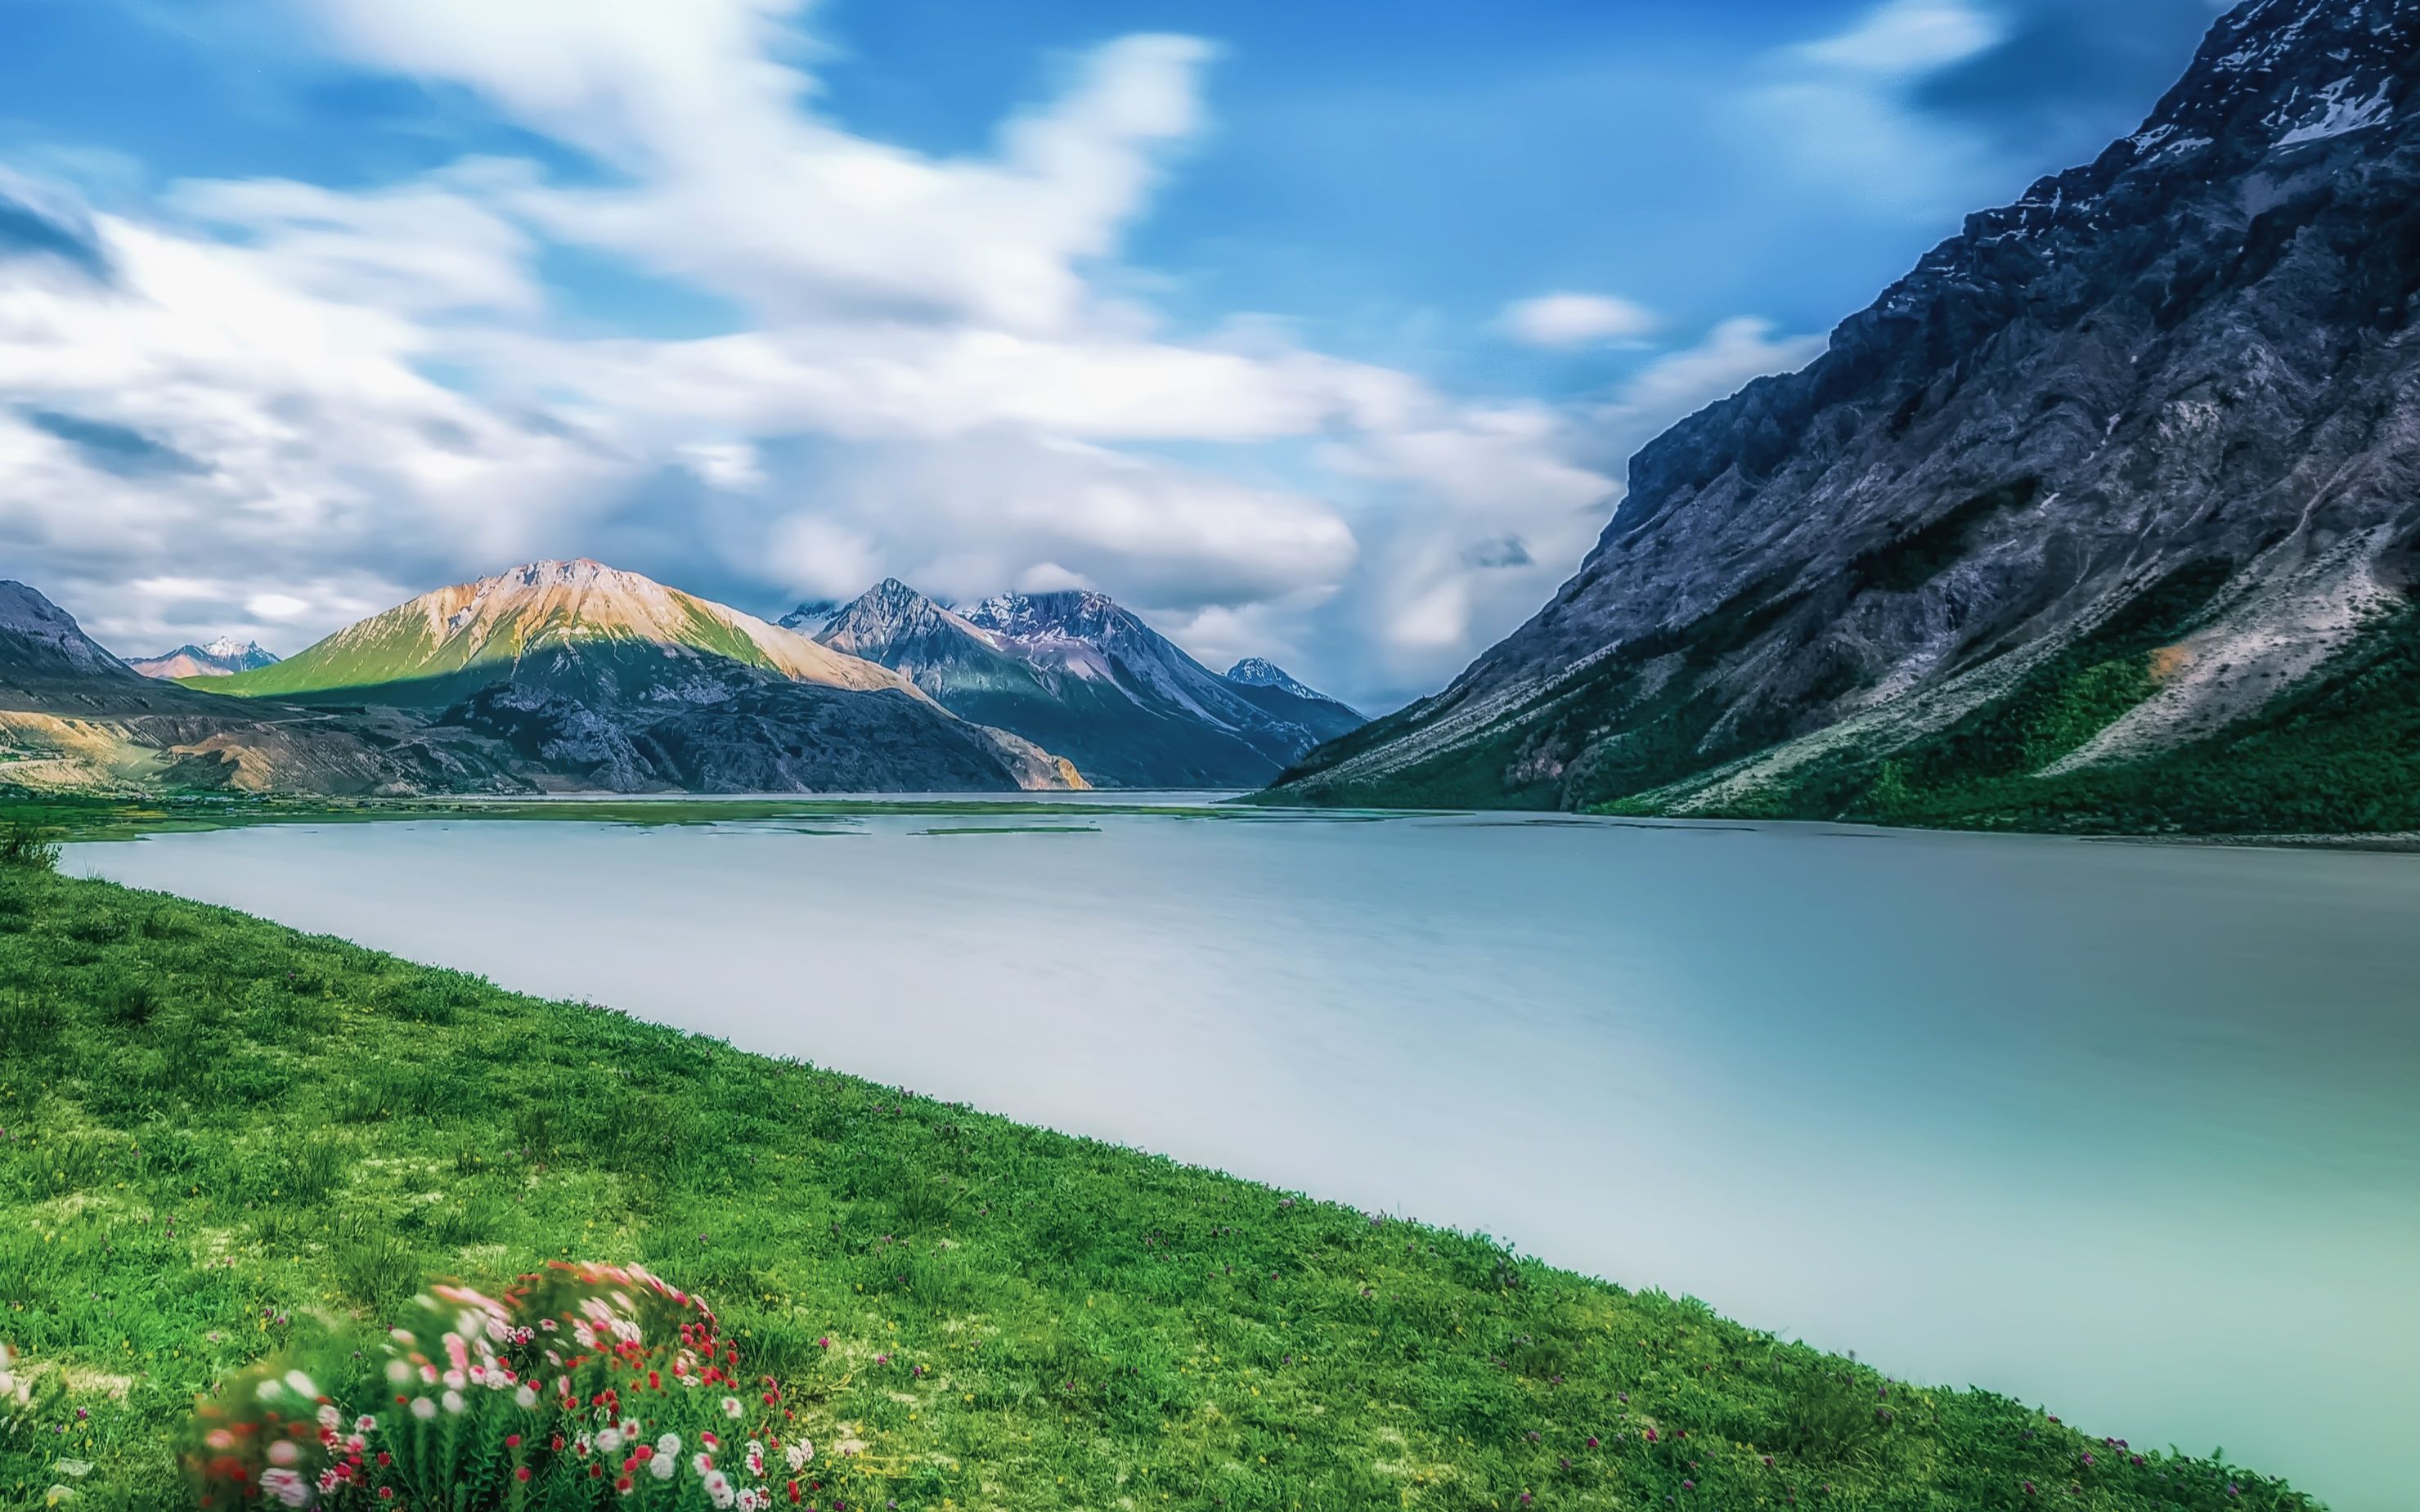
x=221, y=658
x=1282, y=696
x=1087, y=679
x=2106, y=516
x=615, y=681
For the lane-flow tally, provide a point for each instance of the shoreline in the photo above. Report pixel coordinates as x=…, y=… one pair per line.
x=967, y=1233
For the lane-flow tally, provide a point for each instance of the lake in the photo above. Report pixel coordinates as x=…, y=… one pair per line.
x=2131, y=1131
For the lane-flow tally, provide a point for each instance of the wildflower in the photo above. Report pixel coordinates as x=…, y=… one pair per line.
x=718, y=1489
x=731, y=1406
x=609, y=1439
x=398, y=1372
x=284, y=1452
x=798, y=1452
x=755, y=1457
x=423, y=1409
x=525, y=1398
x=366, y=1423
x=453, y=1401
x=664, y=1466
x=669, y=1446
x=301, y=1385
x=286, y=1486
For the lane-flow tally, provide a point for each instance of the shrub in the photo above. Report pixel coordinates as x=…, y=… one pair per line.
x=25, y=848
x=579, y=1386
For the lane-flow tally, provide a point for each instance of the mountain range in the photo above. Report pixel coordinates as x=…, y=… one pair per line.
x=1088, y=679
x=557, y=674
x=220, y=659
x=578, y=675
x=2105, y=516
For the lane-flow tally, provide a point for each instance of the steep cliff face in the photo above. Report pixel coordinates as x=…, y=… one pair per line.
x=2122, y=473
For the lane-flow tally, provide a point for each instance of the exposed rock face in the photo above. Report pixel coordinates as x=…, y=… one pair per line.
x=222, y=658
x=2113, y=471
x=1088, y=679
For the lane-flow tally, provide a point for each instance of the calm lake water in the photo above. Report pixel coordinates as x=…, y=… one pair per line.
x=2129, y=1130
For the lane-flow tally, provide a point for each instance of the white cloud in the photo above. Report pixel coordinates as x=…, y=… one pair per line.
x=732, y=465
x=278, y=607
x=1839, y=110
x=1567, y=319
x=1909, y=37
x=931, y=382
x=739, y=187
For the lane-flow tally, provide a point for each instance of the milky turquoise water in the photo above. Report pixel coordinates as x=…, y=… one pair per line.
x=2129, y=1130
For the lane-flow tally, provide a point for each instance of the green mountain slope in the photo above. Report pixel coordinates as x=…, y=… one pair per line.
x=570, y=626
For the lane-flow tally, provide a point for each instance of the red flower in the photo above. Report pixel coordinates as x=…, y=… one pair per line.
x=521, y=1474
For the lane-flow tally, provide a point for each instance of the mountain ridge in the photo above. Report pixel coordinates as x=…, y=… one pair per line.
x=2110, y=472
x=1084, y=677
x=223, y=656
x=552, y=675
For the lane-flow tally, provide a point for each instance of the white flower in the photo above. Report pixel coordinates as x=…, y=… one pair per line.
x=731, y=1406
x=284, y=1452
x=286, y=1486
x=268, y=1391
x=609, y=1439
x=366, y=1423
x=453, y=1401
x=301, y=1384
x=423, y=1409
x=799, y=1453
x=718, y=1488
x=702, y=1462
x=755, y=1457
x=525, y=1398
x=669, y=1446
x=663, y=1466
x=398, y=1372
x=328, y=1416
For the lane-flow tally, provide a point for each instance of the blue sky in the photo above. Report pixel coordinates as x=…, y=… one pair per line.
x=1317, y=332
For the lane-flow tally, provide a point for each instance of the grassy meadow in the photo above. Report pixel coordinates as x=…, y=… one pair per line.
x=221, y=1139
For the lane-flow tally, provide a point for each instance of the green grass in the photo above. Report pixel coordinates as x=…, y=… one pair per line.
x=219, y=1137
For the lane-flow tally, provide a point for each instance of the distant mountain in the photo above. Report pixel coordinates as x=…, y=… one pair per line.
x=810, y=617
x=221, y=658
x=1259, y=672
x=1085, y=678
x=2105, y=516
x=579, y=627
x=619, y=682
x=1282, y=697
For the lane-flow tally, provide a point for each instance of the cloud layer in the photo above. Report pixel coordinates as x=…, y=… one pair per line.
x=268, y=406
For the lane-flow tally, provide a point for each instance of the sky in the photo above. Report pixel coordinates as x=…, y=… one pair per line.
x=1319, y=332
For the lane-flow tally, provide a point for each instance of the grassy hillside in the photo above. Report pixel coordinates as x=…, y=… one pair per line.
x=2340, y=754
x=218, y=1136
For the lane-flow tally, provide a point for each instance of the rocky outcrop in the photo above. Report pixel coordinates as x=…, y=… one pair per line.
x=2111, y=474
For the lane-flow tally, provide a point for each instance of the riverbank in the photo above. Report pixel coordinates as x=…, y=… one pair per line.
x=221, y=1136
